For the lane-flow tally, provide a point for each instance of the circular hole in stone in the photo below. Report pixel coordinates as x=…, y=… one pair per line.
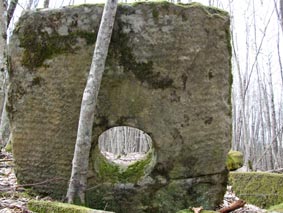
x=124, y=145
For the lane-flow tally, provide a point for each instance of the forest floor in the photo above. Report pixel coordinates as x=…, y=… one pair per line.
x=13, y=197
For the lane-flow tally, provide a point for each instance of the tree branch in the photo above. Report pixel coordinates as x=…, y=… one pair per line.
x=236, y=205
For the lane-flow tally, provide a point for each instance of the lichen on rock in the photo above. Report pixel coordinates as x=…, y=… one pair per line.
x=56, y=207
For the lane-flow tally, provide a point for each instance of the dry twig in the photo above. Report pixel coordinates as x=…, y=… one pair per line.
x=236, y=205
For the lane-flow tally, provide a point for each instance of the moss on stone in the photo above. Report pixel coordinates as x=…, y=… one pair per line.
x=152, y=3
x=57, y=207
x=155, y=13
x=114, y=173
x=208, y=9
x=143, y=71
x=40, y=46
x=234, y=160
x=276, y=209
x=258, y=188
x=90, y=37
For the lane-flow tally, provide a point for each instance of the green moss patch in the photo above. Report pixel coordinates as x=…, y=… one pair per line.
x=56, y=207
x=41, y=46
x=234, y=160
x=276, y=208
x=114, y=173
x=161, y=3
x=9, y=147
x=258, y=188
x=41, y=42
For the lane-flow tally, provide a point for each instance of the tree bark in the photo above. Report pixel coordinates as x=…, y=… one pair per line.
x=273, y=119
x=3, y=36
x=78, y=180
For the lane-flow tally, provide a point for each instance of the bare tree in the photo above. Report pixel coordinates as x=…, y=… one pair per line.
x=77, y=185
x=257, y=120
x=32, y=4
x=46, y=4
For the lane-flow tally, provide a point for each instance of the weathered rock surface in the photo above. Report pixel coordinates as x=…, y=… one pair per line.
x=56, y=207
x=167, y=73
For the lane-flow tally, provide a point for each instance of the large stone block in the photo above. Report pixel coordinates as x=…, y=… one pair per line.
x=168, y=73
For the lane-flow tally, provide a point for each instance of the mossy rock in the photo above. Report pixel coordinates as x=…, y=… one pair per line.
x=234, y=160
x=9, y=147
x=276, y=209
x=56, y=207
x=190, y=211
x=258, y=188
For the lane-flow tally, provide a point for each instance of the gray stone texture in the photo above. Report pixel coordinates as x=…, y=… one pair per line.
x=168, y=73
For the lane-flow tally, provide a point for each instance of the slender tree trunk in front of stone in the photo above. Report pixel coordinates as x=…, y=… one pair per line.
x=78, y=180
x=3, y=36
x=281, y=13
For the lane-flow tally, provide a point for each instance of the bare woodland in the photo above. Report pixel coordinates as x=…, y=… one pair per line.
x=257, y=91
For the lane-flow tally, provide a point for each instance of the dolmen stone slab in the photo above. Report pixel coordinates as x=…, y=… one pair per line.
x=168, y=73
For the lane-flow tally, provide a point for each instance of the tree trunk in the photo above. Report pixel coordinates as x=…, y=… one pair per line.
x=11, y=10
x=273, y=119
x=3, y=60
x=5, y=21
x=30, y=2
x=78, y=180
x=46, y=4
